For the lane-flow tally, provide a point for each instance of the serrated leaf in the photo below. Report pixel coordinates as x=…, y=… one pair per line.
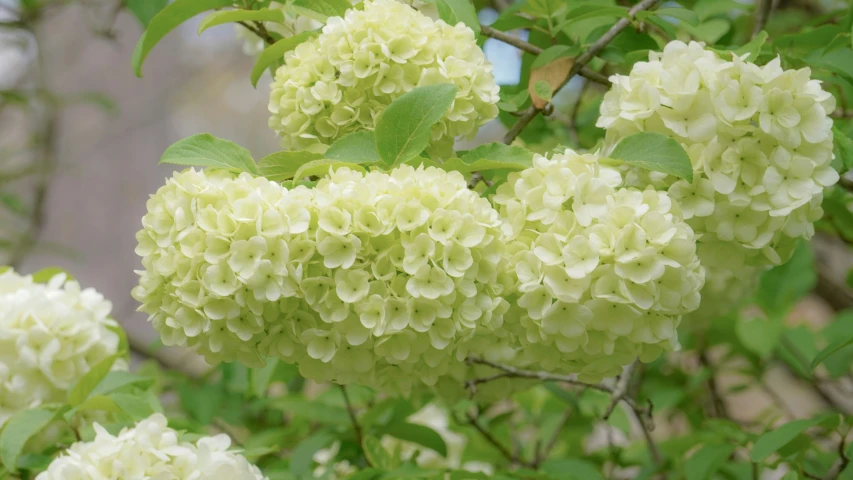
x=229, y=16
x=275, y=53
x=87, y=383
x=281, y=166
x=205, y=150
x=321, y=168
x=403, y=129
x=321, y=10
x=302, y=457
x=419, y=434
x=145, y=10
x=703, y=464
x=18, y=430
x=455, y=11
x=356, y=147
x=167, y=20
x=656, y=152
x=772, y=441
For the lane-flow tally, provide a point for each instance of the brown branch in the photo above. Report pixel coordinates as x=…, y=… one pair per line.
x=718, y=405
x=762, y=14
x=580, y=62
x=621, y=388
x=260, y=30
x=526, y=47
x=512, y=372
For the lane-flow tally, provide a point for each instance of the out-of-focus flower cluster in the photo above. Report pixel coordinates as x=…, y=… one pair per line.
x=342, y=80
x=379, y=279
x=150, y=450
x=759, y=138
x=50, y=336
x=603, y=273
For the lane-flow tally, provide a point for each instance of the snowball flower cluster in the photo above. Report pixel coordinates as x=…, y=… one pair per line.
x=604, y=274
x=50, y=336
x=379, y=279
x=342, y=80
x=759, y=138
x=150, y=450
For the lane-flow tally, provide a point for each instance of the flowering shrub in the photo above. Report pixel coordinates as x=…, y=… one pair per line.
x=603, y=273
x=50, y=336
x=342, y=80
x=370, y=279
x=150, y=450
x=759, y=138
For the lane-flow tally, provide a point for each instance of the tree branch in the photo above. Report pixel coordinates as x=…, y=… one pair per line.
x=762, y=14
x=260, y=30
x=526, y=47
x=580, y=62
x=718, y=405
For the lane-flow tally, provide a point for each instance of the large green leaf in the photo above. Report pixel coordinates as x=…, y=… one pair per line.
x=275, y=53
x=574, y=468
x=835, y=346
x=301, y=459
x=46, y=274
x=117, y=380
x=281, y=166
x=356, y=147
x=260, y=378
x=499, y=152
x=419, y=434
x=772, y=441
x=87, y=383
x=839, y=362
x=312, y=411
x=703, y=464
x=228, y=16
x=205, y=150
x=19, y=429
x=656, y=152
x=167, y=20
x=135, y=406
x=321, y=10
x=403, y=130
x=322, y=167
x=455, y=11
x=781, y=287
x=844, y=147
x=145, y=10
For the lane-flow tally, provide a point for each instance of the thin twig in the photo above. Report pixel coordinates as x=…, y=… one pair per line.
x=355, y=425
x=718, y=405
x=526, y=47
x=762, y=14
x=580, y=62
x=621, y=388
x=258, y=29
x=512, y=372
x=472, y=420
x=542, y=454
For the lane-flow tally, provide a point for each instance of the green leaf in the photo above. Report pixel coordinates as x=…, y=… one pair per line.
x=656, y=152
x=780, y=287
x=145, y=10
x=281, y=166
x=96, y=403
x=275, y=53
x=321, y=10
x=758, y=335
x=753, y=48
x=543, y=89
x=167, y=20
x=710, y=30
x=302, y=457
x=228, y=16
x=703, y=464
x=455, y=11
x=312, y=411
x=403, y=130
x=205, y=150
x=419, y=434
x=377, y=455
x=482, y=165
x=321, y=168
x=585, y=12
x=499, y=152
x=683, y=14
x=13, y=203
x=580, y=469
x=838, y=364
x=20, y=428
x=87, y=383
x=356, y=147
x=46, y=274
x=134, y=406
x=833, y=347
x=553, y=53
x=710, y=8
x=117, y=380
x=261, y=377
x=771, y=442
x=844, y=147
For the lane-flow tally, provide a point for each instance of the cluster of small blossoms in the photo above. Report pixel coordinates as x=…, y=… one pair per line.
x=378, y=279
x=604, y=274
x=759, y=138
x=150, y=450
x=50, y=336
x=729, y=281
x=342, y=80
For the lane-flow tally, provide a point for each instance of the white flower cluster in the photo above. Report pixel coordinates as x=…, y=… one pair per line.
x=378, y=279
x=342, y=80
x=603, y=274
x=150, y=450
x=50, y=336
x=759, y=138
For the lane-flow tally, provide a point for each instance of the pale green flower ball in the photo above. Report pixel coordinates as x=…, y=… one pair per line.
x=379, y=279
x=50, y=336
x=604, y=274
x=150, y=450
x=342, y=80
x=760, y=140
